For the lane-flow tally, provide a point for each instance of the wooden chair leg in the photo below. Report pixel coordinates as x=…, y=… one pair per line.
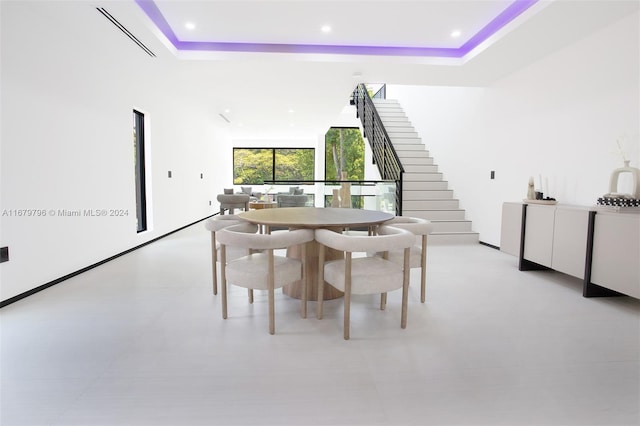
x=270, y=285
x=250, y=294
x=383, y=301
x=272, y=315
x=405, y=288
x=423, y=272
x=405, y=297
x=321, y=256
x=347, y=296
x=383, y=296
x=304, y=283
x=214, y=261
x=223, y=279
x=423, y=285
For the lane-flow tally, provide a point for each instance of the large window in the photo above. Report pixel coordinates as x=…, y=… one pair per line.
x=138, y=149
x=255, y=165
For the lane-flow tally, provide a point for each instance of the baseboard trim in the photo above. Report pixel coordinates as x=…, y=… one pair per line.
x=95, y=265
x=489, y=245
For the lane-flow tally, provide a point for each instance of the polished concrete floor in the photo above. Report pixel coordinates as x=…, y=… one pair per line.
x=140, y=341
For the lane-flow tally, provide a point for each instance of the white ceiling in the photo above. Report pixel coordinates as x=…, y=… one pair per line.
x=392, y=23
x=260, y=90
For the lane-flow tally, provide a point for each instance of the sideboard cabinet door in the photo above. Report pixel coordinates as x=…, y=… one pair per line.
x=570, y=241
x=616, y=252
x=538, y=241
x=510, y=229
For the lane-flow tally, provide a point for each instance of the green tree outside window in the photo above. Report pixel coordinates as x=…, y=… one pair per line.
x=344, y=153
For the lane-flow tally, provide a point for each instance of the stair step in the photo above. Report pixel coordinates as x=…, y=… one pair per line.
x=420, y=168
x=393, y=134
x=396, y=120
x=451, y=226
x=427, y=194
x=422, y=177
x=444, y=238
x=402, y=133
x=402, y=154
x=379, y=105
x=415, y=161
x=403, y=126
x=436, y=185
x=434, y=204
x=399, y=141
x=389, y=114
x=408, y=147
x=387, y=108
x=398, y=123
x=454, y=214
x=384, y=101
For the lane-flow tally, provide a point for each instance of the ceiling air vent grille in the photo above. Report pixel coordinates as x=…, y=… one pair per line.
x=121, y=27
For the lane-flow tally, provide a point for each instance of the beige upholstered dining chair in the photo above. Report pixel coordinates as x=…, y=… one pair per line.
x=364, y=275
x=214, y=224
x=420, y=228
x=262, y=270
x=233, y=201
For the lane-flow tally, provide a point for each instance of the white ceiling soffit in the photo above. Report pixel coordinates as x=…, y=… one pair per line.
x=418, y=31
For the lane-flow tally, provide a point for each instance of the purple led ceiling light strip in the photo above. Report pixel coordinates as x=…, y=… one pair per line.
x=508, y=15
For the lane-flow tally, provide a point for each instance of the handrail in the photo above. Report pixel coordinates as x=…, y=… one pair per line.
x=384, y=154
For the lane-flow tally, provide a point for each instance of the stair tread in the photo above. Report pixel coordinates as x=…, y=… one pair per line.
x=448, y=220
x=454, y=233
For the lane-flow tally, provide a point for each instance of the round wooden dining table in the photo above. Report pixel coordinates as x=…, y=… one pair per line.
x=337, y=219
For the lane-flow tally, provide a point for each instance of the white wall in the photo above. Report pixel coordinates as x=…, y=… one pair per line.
x=559, y=118
x=67, y=99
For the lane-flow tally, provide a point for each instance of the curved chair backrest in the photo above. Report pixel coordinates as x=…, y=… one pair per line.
x=415, y=225
x=243, y=235
x=219, y=222
x=389, y=238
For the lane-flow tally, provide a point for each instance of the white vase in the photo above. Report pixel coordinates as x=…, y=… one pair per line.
x=634, y=179
x=531, y=191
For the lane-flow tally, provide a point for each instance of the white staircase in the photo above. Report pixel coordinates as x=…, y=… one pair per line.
x=424, y=193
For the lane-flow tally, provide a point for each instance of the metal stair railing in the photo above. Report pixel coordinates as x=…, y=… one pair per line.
x=384, y=154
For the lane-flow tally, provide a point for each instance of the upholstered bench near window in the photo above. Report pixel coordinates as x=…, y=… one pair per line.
x=294, y=198
x=253, y=196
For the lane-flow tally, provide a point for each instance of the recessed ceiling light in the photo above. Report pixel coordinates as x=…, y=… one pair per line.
x=291, y=111
x=456, y=33
x=326, y=29
x=190, y=26
x=227, y=110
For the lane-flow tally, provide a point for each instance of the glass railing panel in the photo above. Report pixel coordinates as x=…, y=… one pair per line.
x=370, y=195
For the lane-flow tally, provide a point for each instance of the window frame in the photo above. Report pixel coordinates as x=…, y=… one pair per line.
x=273, y=162
x=140, y=171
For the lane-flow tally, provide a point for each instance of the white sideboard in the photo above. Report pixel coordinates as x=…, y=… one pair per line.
x=598, y=245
